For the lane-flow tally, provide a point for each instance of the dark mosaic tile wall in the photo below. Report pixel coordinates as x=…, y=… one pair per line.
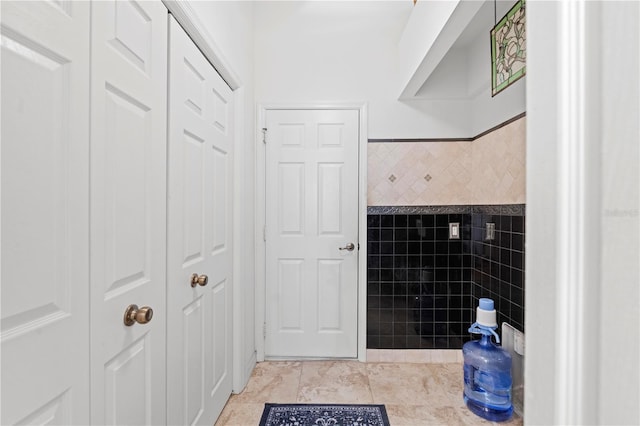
x=423, y=287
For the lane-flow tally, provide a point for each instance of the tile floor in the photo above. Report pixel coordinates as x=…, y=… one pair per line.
x=414, y=394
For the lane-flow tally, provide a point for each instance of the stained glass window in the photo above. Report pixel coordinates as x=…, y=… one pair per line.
x=508, y=49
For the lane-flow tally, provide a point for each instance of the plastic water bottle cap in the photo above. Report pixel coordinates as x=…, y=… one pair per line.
x=486, y=304
x=486, y=314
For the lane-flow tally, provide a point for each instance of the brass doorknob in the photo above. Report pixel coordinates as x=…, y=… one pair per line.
x=199, y=280
x=133, y=315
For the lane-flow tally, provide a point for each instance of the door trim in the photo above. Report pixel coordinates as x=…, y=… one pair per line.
x=260, y=216
x=191, y=23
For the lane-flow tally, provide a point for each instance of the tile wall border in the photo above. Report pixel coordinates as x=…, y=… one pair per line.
x=501, y=209
x=471, y=139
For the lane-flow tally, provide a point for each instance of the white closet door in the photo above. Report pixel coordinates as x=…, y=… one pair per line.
x=45, y=212
x=128, y=210
x=199, y=240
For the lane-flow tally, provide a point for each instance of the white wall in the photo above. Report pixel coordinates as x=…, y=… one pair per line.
x=449, y=80
x=316, y=51
x=583, y=200
x=465, y=74
x=230, y=24
x=488, y=111
x=345, y=51
x=422, y=38
x=619, y=391
x=541, y=253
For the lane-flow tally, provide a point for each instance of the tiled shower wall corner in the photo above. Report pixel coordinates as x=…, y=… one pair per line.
x=423, y=287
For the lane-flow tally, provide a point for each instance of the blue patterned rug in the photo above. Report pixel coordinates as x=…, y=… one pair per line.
x=324, y=415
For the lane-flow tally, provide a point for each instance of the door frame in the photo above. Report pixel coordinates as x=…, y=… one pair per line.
x=260, y=216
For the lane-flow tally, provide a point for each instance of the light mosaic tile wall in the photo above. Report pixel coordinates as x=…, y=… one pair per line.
x=489, y=170
x=498, y=170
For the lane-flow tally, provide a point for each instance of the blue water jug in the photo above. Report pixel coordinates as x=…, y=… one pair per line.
x=487, y=369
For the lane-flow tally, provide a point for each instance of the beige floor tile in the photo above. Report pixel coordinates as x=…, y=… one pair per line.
x=425, y=415
x=340, y=382
x=411, y=415
x=240, y=414
x=435, y=385
x=444, y=384
x=458, y=415
x=414, y=394
x=466, y=417
x=276, y=382
x=398, y=383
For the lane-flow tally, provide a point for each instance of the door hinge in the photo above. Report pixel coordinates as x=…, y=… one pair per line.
x=264, y=233
x=358, y=246
x=264, y=135
x=264, y=330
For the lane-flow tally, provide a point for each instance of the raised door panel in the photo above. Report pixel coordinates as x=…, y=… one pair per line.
x=127, y=144
x=289, y=294
x=45, y=212
x=200, y=149
x=193, y=154
x=219, y=200
x=220, y=368
x=31, y=74
x=127, y=382
x=55, y=412
x=129, y=31
x=291, y=197
x=193, y=350
x=329, y=301
x=219, y=116
x=128, y=205
x=330, y=189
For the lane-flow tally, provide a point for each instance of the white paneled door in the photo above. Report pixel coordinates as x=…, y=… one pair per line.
x=311, y=233
x=128, y=211
x=199, y=241
x=45, y=212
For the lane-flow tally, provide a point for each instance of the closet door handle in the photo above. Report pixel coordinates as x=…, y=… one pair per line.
x=133, y=315
x=201, y=280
